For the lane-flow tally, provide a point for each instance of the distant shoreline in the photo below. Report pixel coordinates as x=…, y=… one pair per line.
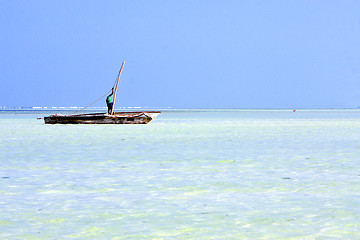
x=67, y=109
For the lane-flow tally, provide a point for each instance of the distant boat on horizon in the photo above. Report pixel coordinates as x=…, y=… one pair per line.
x=142, y=117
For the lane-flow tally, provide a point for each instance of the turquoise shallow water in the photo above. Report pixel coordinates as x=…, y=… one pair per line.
x=247, y=174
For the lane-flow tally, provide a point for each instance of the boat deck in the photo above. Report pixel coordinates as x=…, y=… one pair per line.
x=104, y=118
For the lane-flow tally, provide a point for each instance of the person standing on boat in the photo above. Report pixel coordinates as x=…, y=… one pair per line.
x=109, y=101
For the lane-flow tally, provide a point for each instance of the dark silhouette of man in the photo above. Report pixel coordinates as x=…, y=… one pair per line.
x=110, y=102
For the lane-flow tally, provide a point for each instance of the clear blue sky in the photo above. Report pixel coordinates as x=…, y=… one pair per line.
x=181, y=54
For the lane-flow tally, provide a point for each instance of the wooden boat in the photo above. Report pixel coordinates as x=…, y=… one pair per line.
x=104, y=118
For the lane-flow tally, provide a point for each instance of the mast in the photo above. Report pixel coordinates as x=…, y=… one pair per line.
x=117, y=84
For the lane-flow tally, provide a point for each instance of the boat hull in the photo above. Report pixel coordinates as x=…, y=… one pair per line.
x=102, y=118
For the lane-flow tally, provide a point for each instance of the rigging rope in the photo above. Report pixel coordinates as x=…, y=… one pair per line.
x=115, y=82
x=96, y=100
x=90, y=104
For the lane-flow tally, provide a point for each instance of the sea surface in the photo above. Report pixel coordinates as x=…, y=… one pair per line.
x=188, y=174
